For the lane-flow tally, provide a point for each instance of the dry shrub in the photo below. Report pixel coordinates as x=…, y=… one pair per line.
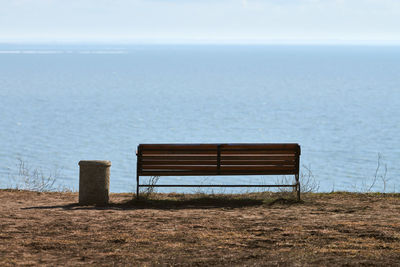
x=308, y=183
x=148, y=191
x=34, y=179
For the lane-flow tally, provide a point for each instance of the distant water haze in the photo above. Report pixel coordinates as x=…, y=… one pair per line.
x=62, y=104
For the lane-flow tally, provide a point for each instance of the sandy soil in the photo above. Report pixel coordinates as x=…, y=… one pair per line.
x=325, y=229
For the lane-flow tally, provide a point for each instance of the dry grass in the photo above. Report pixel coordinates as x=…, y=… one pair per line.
x=252, y=229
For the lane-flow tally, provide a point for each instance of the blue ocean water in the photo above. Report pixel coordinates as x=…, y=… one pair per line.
x=62, y=104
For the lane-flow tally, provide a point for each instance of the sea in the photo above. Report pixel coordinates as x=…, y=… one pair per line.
x=60, y=104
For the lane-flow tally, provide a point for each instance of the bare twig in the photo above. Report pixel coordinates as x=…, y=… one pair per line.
x=307, y=181
x=34, y=179
x=376, y=173
x=150, y=190
x=384, y=179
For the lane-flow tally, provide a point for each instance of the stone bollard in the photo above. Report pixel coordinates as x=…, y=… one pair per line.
x=94, y=182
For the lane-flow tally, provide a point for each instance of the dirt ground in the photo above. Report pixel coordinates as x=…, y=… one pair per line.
x=324, y=230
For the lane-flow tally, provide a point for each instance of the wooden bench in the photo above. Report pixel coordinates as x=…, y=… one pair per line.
x=217, y=159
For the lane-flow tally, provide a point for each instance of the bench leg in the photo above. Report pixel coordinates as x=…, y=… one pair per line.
x=137, y=186
x=297, y=187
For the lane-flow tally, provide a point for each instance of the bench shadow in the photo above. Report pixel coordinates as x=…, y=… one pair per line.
x=176, y=204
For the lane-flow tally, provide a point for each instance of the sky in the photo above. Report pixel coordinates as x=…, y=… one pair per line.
x=201, y=21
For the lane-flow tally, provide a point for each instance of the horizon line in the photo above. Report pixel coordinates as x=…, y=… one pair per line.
x=195, y=44
x=146, y=41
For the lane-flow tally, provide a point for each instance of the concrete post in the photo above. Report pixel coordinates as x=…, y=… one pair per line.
x=94, y=182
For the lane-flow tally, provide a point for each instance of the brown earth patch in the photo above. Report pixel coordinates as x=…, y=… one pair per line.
x=253, y=229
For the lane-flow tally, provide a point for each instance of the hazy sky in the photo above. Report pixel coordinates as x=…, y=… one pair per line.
x=203, y=21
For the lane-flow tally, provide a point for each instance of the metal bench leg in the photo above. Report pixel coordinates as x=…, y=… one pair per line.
x=137, y=186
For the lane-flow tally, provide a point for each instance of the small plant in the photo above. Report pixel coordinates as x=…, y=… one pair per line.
x=369, y=185
x=378, y=176
x=34, y=179
x=308, y=183
x=150, y=190
x=209, y=191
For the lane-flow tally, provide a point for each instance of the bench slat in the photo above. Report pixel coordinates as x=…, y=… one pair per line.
x=255, y=172
x=176, y=173
x=293, y=146
x=179, y=157
x=256, y=168
x=179, y=162
x=222, y=167
x=256, y=162
x=205, y=173
x=178, y=152
x=147, y=147
x=223, y=153
x=179, y=167
x=214, y=185
x=258, y=157
x=259, y=152
x=223, y=162
x=237, y=147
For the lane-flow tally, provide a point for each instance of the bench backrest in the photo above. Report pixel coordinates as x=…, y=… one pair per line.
x=217, y=159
